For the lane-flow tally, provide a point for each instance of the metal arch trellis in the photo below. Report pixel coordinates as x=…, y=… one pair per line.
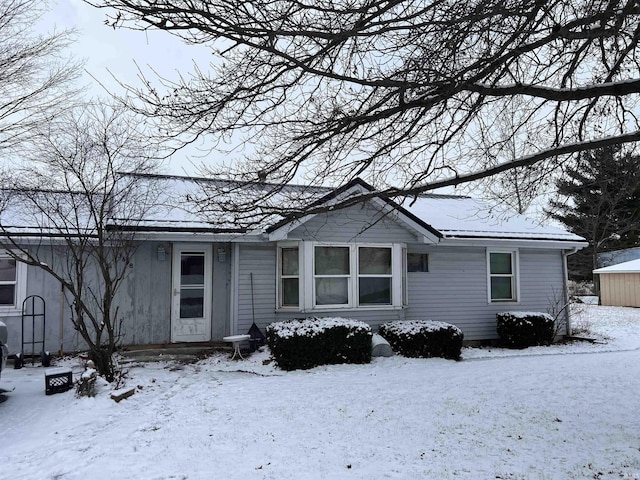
x=37, y=304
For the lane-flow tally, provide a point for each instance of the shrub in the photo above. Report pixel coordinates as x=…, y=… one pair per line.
x=423, y=338
x=524, y=329
x=307, y=343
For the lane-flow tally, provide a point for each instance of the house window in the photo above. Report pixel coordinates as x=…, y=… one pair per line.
x=417, y=262
x=374, y=275
x=502, y=272
x=13, y=283
x=314, y=276
x=8, y=282
x=289, y=277
x=332, y=275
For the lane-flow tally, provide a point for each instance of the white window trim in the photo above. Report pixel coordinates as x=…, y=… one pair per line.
x=306, y=250
x=394, y=278
x=21, y=287
x=279, y=276
x=515, y=282
x=349, y=277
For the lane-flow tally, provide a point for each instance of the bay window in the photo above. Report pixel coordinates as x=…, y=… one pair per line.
x=315, y=276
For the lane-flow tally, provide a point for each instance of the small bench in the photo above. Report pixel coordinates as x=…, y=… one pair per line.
x=236, y=340
x=57, y=380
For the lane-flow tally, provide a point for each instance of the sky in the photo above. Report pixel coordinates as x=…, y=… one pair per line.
x=109, y=53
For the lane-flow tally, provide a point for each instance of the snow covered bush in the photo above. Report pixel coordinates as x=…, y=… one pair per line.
x=525, y=329
x=309, y=342
x=423, y=338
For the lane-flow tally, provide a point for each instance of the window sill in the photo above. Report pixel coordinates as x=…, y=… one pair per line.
x=341, y=309
x=504, y=302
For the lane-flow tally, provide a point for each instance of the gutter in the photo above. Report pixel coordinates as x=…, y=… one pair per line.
x=565, y=274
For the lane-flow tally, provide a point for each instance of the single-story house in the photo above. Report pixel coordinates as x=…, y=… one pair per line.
x=620, y=284
x=196, y=279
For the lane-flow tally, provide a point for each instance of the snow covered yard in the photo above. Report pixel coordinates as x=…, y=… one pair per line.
x=566, y=411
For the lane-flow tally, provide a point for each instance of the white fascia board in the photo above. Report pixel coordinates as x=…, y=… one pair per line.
x=282, y=233
x=512, y=243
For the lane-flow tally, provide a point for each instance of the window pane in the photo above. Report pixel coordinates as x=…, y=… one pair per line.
x=7, y=270
x=375, y=291
x=501, y=263
x=191, y=302
x=417, y=262
x=501, y=288
x=7, y=293
x=290, y=292
x=192, y=269
x=332, y=261
x=374, y=260
x=289, y=261
x=332, y=291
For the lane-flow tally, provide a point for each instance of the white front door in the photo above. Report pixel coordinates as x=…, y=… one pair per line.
x=191, y=305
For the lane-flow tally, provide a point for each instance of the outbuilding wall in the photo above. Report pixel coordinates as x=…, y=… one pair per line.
x=620, y=289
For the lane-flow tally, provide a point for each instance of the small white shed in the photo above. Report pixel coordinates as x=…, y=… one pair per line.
x=620, y=284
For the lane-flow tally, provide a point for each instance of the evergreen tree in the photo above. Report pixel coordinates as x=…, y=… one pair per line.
x=599, y=199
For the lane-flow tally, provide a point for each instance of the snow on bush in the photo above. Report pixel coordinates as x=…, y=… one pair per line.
x=309, y=342
x=525, y=329
x=423, y=338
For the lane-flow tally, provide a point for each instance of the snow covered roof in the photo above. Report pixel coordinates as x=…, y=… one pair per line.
x=184, y=207
x=191, y=204
x=464, y=217
x=211, y=206
x=632, y=266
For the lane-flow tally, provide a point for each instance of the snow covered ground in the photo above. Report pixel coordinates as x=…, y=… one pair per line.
x=559, y=412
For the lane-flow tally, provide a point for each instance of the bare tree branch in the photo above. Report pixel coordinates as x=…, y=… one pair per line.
x=35, y=77
x=397, y=92
x=56, y=209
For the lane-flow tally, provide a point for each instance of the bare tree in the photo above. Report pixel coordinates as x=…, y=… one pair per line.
x=395, y=91
x=505, y=142
x=35, y=77
x=69, y=211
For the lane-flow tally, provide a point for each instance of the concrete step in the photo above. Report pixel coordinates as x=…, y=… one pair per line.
x=176, y=353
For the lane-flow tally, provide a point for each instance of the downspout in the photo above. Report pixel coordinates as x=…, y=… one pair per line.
x=565, y=274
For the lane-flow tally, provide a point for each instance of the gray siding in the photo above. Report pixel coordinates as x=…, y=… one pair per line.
x=221, y=315
x=455, y=288
x=147, y=295
x=374, y=318
x=258, y=261
x=145, y=300
x=354, y=224
x=144, y=303
x=41, y=283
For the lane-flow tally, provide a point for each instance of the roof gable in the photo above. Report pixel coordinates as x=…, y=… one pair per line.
x=340, y=196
